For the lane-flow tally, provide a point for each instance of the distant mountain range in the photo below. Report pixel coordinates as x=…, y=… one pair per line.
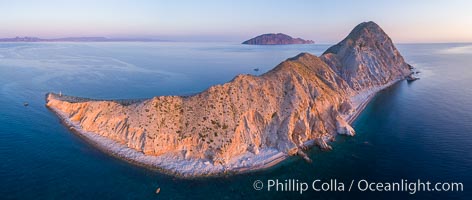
x=77, y=39
x=276, y=39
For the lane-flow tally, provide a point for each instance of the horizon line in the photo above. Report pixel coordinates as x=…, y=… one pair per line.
x=80, y=39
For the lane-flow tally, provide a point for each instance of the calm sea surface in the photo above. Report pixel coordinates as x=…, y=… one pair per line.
x=419, y=130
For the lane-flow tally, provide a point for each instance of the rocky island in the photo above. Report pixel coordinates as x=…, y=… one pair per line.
x=276, y=39
x=249, y=123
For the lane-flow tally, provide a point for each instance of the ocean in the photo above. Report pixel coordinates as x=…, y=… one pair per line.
x=410, y=131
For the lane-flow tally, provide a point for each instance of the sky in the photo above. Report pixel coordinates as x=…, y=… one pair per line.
x=326, y=21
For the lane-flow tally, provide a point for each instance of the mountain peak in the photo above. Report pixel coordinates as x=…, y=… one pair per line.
x=369, y=25
x=366, y=57
x=366, y=29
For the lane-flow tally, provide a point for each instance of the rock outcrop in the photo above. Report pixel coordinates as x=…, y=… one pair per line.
x=304, y=100
x=276, y=39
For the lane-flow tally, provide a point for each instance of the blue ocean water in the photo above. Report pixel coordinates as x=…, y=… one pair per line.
x=418, y=130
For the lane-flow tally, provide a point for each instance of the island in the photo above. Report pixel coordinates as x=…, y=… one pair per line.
x=249, y=123
x=276, y=39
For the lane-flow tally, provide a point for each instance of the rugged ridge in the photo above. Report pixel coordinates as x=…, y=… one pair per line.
x=250, y=122
x=276, y=39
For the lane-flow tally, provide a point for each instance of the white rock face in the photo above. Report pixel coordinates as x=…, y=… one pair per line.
x=303, y=100
x=343, y=128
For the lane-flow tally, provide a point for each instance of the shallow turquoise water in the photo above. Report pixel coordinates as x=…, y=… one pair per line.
x=409, y=131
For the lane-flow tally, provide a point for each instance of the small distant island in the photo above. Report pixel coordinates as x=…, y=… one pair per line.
x=276, y=39
x=77, y=39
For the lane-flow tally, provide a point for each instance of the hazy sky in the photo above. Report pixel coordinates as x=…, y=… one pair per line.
x=325, y=21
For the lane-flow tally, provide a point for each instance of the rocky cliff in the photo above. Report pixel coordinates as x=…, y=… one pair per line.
x=304, y=100
x=279, y=39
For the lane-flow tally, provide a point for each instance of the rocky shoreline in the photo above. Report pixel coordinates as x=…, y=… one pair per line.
x=367, y=97
x=170, y=164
